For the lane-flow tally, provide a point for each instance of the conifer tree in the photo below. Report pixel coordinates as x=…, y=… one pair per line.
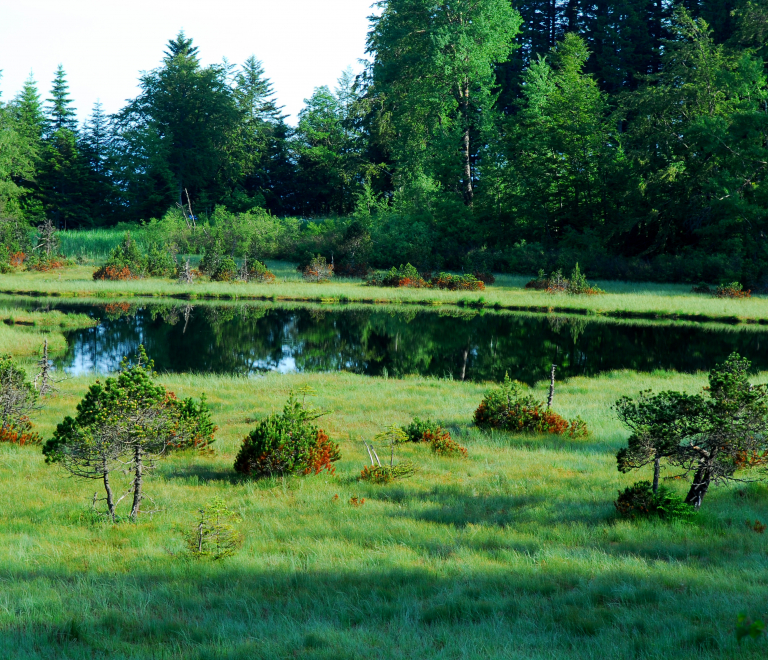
x=60, y=114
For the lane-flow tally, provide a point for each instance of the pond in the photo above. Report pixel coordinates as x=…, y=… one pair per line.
x=390, y=341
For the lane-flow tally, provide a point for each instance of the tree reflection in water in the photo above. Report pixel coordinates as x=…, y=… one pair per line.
x=459, y=344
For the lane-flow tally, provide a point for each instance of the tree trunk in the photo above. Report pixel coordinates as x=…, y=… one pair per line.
x=110, y=498
x=656, y=470
x=698, y=487
x=466, y=147
x=138, y=469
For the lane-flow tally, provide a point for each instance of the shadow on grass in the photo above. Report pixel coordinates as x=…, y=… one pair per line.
x=193, y=610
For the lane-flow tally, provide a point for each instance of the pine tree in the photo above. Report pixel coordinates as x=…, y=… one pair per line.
x=29, y=110
x=99, y=192
x=60, y=114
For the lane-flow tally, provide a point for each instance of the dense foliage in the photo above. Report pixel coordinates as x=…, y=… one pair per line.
x=709, y=437
x=18, y=398
x=507, y=135
x=127, y=423
x=287, y=443
x=508, y=408
x=640, y=500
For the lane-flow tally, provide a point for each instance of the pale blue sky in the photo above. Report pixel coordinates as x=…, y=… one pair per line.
x=104, y=44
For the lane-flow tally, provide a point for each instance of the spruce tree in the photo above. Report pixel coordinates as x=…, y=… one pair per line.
x=60, y=114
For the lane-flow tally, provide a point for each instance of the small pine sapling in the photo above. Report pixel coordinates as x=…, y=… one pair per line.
x=213, y=536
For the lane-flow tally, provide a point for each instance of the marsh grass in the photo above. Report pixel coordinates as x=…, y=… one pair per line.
x=635, y=301
x=514, y=552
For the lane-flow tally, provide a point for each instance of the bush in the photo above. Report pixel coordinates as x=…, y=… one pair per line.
x=14, y=244
x=213, y=537
x=195, y=425
x=287, y=443
x=161, y=260
x=415, y=431
x=318, y=270
x=732, y=290
x=385, y=474
x=225, y=271
x=442, y=444
x=639, y=501
x=456, y=282
x=126, y=262
x=508, y=409
x=576, y=285
x=538, y=283
x=255, y=271
x=18, y=398
x=408, y=277
x=485, y=278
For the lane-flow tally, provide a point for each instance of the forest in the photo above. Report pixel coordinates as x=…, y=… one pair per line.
x=630, y=136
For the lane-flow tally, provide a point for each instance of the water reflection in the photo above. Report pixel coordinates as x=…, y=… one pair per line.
x=459, y=344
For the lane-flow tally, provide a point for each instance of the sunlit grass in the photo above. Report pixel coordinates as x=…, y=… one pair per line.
x=513, y=553
x=621, y=299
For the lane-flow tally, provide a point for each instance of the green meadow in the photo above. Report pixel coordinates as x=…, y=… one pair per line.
x=514, y=552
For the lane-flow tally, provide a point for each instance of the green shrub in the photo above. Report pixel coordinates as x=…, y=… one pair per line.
x=213, y=537
x=639, y=501
x=287, y=443
x=126, y=261
x=415, y=430
x=441, y=443
x=226, y=270
x=161, y=261
x=507, y=408
x=18, y=398
x=195, y=425
x=385, y=474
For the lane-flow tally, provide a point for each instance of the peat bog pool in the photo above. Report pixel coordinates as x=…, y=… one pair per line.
x=249, y=339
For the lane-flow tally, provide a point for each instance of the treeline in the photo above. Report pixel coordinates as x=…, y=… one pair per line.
x=628, y=135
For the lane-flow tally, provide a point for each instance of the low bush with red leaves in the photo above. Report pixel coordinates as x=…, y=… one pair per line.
x=507, y=408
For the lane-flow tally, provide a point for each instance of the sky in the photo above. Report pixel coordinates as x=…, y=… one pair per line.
x=104, y=44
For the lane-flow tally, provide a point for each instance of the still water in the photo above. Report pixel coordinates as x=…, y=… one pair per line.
x=464, y=345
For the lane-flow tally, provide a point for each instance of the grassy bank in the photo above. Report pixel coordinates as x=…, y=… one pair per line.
x=513, y=553
x=622, y=300
x=22, y=332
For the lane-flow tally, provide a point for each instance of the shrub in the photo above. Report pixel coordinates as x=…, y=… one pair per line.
x=415, y=431
x=701, y=288
x=385, y=474
x=576, y=285
x=255, y=271
x=126, y=262
x=405, y=276
x=318, y=270
x=14, y=244
x=213, y=537
x=508, y=409
x=456, y=282
x=161, y=260
x=485, y=278
x=287, y=443
x=18, y=398
x=442, y=444
x=539, y=283
x=732, y=290
x=225, y=271
x=639, y=501
x=195, y=427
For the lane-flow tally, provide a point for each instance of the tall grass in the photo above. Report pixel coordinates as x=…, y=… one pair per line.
x=96, y=244
x=512, y=553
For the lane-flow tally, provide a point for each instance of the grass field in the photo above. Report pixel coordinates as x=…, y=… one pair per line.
x=23, y=333
x=512, y=553
x=621, y=300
